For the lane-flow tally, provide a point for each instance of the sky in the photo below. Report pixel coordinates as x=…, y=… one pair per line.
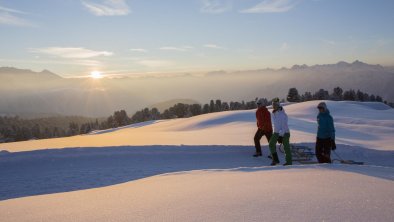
x=124, y=37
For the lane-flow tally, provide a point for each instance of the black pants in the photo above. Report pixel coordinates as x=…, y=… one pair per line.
x=257, y=137
x=323, y=150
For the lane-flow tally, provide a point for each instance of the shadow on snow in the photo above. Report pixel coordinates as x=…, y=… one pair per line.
x=50, y=171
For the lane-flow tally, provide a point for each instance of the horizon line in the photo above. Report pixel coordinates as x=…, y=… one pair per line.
x=128, y=73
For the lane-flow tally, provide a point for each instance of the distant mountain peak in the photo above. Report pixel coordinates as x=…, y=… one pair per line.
x=342, y=63
x=27, y=72
x=362, y=65
x=7, y=69
x=46, y=71
x=357, y=62
x=304, y=66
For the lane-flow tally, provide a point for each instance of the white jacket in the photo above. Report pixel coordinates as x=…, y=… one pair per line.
x=280, y=122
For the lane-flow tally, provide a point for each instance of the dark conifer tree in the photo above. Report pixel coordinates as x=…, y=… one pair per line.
x=293, y=95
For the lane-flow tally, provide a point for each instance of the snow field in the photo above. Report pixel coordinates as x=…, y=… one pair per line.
x=201, y=169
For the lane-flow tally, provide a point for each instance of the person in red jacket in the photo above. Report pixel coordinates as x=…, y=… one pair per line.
x=264, y=126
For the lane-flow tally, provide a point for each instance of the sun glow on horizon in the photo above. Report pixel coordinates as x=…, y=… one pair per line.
x=96, y=75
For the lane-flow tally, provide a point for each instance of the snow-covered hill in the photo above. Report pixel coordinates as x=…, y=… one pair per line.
x=370, y=125
x=201, y=169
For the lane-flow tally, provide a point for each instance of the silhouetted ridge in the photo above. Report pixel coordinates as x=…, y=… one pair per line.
x=27, y=73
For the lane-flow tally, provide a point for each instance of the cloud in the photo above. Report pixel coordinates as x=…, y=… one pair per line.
x=139, y=50
x=81, y=62
x=4, y=9
x=179, y=49
x=272, y=6
x=216, y=6
x=73, y=53
x=107, y=7
x=213, y=46
x=170, y=48
x=8, y=17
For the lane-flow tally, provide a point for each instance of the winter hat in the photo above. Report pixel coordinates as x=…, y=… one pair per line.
x=322, y=105
x=275, y=102
x=260, y=102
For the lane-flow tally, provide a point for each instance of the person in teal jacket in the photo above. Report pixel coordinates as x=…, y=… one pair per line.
x=325, y=141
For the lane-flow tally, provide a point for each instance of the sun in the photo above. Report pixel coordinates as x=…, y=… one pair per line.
x=96, y=75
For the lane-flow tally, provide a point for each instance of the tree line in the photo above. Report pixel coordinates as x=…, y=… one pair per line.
x=16, y=129
x=337, y=94
x=179, y=110
x=13, y=129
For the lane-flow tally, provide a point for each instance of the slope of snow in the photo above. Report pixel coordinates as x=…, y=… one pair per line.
x=62, y=170
x=369, y=125
x=201, y=169
x=304, y=193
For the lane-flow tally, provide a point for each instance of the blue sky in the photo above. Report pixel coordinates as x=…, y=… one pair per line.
x=75, y=37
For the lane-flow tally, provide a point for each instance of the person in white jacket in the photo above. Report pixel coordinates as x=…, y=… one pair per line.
x=281, y=130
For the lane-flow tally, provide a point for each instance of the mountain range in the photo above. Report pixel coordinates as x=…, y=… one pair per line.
x=31, y=93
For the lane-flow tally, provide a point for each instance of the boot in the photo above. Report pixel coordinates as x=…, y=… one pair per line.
x=257, y=154
x=287, y=164
x=275, y=159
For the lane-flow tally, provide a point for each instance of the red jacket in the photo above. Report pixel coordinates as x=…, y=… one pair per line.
x=263, y=117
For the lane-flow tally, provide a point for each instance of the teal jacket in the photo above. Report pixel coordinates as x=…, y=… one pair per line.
x=325, y=124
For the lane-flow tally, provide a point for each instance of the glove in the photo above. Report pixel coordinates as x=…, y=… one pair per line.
x=333, y=145
x=280, y=139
